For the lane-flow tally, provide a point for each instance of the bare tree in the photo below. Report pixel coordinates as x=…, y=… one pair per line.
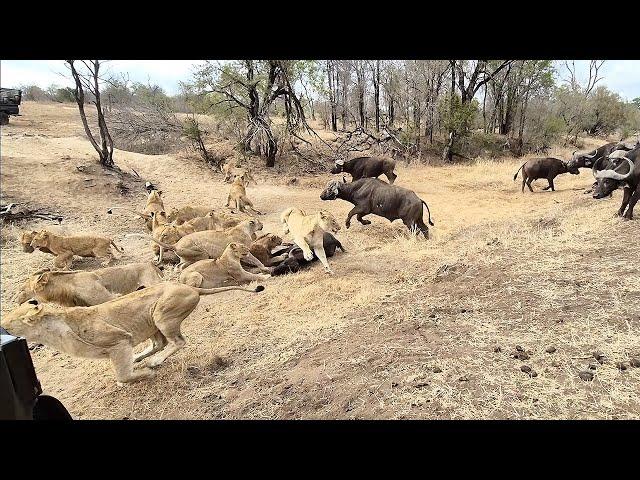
x=90, y=80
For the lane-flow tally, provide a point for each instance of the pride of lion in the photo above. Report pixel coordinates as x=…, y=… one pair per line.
x=107, y=312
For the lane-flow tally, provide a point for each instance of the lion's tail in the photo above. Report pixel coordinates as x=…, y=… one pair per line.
x=121, y=250
x=211, y=291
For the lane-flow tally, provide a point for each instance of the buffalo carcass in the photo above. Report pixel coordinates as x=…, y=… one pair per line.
x=587, y=160
x=371, y=195
x=365, y=167
x=612, y=174
x=548, y=168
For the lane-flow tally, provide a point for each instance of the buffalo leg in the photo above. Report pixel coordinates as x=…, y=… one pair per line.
x=354, y=211
x=424, y=229
x=362, y=220
x=524, y=181
x=529, y=180
x=632, y=203
x=625, y=201
x=553, y=189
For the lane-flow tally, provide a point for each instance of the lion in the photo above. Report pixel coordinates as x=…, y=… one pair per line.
x=112, y=329
x=215, y=221
x=231, y=170
x=308, y=232
x=184, y=214
x=83, y=289
x=154, y=205
x=210, y=243
x=65, y=247
x=261, y=249
x=222, y=271
x=237, y=197
x=166, y=232
x=26, y=238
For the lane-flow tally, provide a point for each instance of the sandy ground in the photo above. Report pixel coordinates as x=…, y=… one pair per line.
x=407, y=328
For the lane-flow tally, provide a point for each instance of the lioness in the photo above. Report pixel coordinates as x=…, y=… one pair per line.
x=225, y=270
x=83, y=289
x=26, y=238
x=112, y=329
x=262, y=246
x=210, y=243
x=65, y=247
x=215, y=221
x=231, y=171
x=237, y=197
x=184, y=214
x=308, y=231
x=166, y=232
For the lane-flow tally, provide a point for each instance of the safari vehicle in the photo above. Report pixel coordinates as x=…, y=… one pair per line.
x=20, y=391
x=9, y=104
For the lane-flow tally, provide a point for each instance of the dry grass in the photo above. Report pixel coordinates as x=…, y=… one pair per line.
x=501, y=269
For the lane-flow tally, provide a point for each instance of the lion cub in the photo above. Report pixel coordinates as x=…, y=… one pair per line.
x=308, y=232
x=238, y=195
x=261, y=249
x=223, y=271
x=65, y=247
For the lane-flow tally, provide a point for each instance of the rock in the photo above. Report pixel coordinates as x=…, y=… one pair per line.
x=621, y=366
x=521, y=356
x=586, y=375
x=497, y=349
x=519, y=348
x=463, y=310
x=635, y=362
x=592, y=366
x=433, y=315
x=555, y=364
x=550, y=349
x=599, y=356
x=464, y=378
x=437, y=370
x=525, y=368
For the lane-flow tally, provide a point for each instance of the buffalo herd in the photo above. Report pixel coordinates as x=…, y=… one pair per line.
x=614, y=165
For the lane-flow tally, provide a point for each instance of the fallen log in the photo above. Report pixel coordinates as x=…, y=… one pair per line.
x=13, y=212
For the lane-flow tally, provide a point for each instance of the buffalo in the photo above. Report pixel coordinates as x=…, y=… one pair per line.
x=363, y=167
x=612, y=174
x=371, y=195
x=587, y=160
x=548, y=168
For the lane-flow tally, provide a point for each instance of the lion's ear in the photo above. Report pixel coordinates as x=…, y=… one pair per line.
x=43, y=278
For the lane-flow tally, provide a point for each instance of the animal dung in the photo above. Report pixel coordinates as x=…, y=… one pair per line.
x=621, y=366
x=635, y=362
x=586, y=375
x=550, y=349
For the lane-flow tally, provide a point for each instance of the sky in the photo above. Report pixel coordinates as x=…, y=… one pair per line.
x=621, y=76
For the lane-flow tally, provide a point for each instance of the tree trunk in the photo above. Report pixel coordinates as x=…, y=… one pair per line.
x=376, y=86
x=447, y=153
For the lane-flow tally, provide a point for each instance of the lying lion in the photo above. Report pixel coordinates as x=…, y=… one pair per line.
x=112, y=329
x=225, y=270
x=237, y=197
x=184, y=214
x=83, y=289
x=215, y=221
x=308, y=232
x=65, y=247
x=210, y=243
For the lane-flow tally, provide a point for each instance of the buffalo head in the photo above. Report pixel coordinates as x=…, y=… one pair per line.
x=338, y=167
x=610, y=179
x=331, y=190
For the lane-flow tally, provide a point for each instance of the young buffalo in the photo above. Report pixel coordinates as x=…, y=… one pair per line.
x=548, y=168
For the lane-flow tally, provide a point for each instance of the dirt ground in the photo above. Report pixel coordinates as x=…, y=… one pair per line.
x=407, y=328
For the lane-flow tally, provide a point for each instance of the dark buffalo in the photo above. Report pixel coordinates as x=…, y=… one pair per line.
x=548, y=168
x=612, y=174
x=296, y=261
x=587, y=160
x=364, y=167
x=371, y=195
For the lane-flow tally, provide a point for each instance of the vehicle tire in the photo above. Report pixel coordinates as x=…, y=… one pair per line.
x=4, y=118
x=50, y=408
